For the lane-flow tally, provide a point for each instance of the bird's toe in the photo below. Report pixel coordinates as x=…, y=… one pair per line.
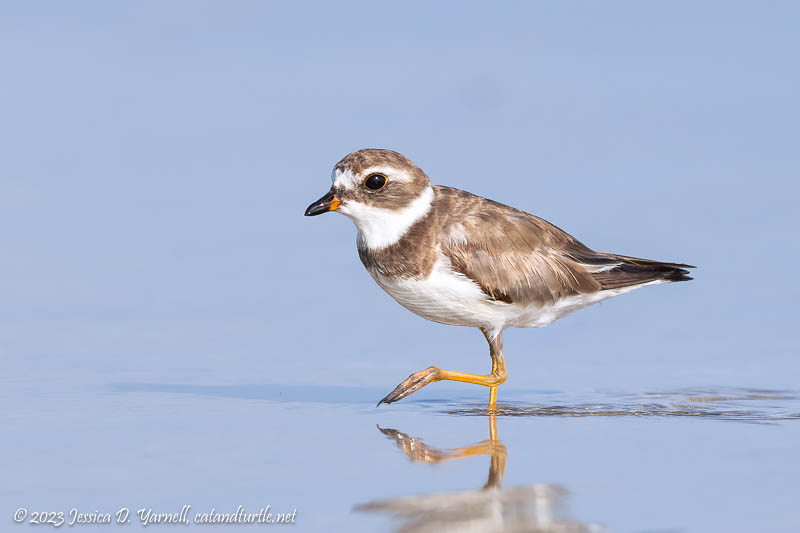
x=411, y=384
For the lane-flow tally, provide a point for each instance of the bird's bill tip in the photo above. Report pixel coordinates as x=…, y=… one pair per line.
x=329, y=202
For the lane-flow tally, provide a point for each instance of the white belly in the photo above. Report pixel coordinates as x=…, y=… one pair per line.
x=446, y=297
x=449, y=297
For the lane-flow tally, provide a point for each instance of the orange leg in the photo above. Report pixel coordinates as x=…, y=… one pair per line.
x=432, y=374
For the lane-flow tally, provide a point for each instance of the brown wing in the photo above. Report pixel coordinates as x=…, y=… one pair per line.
x=512, y=255
x=517, y=257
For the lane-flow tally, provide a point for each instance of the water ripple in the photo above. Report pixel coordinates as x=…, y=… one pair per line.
x=749, y=405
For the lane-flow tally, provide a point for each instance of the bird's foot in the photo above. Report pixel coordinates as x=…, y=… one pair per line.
x=413, y=383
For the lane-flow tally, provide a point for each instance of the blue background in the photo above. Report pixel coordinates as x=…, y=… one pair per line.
x=156, y=160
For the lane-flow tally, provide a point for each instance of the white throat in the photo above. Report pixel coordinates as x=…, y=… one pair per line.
x=379, y=228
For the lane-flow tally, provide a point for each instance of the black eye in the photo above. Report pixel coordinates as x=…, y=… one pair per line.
x=375, y=182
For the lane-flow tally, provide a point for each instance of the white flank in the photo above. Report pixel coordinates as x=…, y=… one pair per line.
x=449, y=297
x=379, y=228
x=537, y=317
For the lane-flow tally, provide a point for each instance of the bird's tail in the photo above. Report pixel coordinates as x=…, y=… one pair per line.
x=632, y=271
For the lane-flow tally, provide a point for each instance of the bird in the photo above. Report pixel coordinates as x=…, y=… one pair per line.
x=456, y=258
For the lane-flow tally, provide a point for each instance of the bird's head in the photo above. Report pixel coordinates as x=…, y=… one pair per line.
x=381, y=191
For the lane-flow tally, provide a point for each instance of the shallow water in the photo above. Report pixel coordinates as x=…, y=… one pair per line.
x=680, y=460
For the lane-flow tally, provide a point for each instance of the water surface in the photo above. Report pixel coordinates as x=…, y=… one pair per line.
x=672, y=460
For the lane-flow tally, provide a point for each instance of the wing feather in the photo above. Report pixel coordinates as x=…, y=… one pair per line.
x=512, y=255
x=516, y=257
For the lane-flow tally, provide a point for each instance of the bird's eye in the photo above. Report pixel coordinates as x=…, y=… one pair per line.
x=375, y=182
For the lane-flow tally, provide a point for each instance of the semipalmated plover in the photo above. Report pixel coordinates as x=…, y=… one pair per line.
x=456, y=258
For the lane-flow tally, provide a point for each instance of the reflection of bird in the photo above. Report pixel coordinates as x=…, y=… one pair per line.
x=456, y=258
x=535, y=508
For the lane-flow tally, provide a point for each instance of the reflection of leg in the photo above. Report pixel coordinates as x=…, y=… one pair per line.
x=414, y=448
x=432, y=374
x=498, y=467
x=418, y=451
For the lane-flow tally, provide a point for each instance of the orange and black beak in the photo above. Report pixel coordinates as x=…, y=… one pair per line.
x=329, y=202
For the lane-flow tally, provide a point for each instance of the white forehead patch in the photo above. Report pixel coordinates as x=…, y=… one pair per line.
x=342, y=177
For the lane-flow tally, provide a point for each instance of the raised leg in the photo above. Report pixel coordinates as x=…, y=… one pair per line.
x=416, y=381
